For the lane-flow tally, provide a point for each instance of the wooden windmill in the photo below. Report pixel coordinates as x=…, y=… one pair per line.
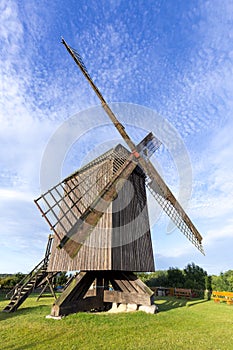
x=99, y=231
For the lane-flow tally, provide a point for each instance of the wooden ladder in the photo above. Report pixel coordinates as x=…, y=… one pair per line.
x=25, y=287
x=31, y=281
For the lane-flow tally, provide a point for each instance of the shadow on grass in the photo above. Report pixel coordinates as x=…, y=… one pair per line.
x=169, y=303
x=164, y=304
x=23, y=312
x=32, y=345
x=197, y=301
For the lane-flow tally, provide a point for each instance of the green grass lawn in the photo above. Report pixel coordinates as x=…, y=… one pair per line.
x=195, y=324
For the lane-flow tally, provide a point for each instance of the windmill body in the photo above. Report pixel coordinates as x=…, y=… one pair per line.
x=116, y=241
x=121, y=239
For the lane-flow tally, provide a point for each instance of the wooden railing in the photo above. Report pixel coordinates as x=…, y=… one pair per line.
x=183, y=293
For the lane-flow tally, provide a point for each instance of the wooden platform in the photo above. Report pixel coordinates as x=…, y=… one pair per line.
x=97, y=290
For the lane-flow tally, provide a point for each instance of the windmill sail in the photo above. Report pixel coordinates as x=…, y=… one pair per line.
x=148, y=145
x=176, y=214
x=169, y=204
x=155, y=183
x=105, y=106
x=75, y=207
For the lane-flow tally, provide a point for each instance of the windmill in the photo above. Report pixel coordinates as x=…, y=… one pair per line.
x=100, y=236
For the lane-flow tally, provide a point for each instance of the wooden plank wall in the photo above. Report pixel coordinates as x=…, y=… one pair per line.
x=96, y=252
x=131, y=238
x=121, y=240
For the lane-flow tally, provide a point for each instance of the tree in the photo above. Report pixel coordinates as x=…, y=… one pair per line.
x=175, y=277
x=208, y=283
x=61, y=279
x=190, y=283
x=144, y=276
x=18, y=277
x=208, y=287
x=157, y=279
x=11, y=280
x=228, y=276
x=223, y=282
x=194, y=277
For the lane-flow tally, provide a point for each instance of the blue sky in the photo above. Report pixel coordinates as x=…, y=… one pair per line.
x=173, y=57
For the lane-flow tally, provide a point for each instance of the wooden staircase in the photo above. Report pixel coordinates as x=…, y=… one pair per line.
x=31, y=281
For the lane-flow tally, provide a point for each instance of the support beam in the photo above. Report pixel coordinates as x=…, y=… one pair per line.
x=126, y=288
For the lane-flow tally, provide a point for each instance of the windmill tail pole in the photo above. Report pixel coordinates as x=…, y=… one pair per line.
x=78, y=60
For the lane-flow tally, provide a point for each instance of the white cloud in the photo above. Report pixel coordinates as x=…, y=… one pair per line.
x=220, y=233
x=10, y=194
